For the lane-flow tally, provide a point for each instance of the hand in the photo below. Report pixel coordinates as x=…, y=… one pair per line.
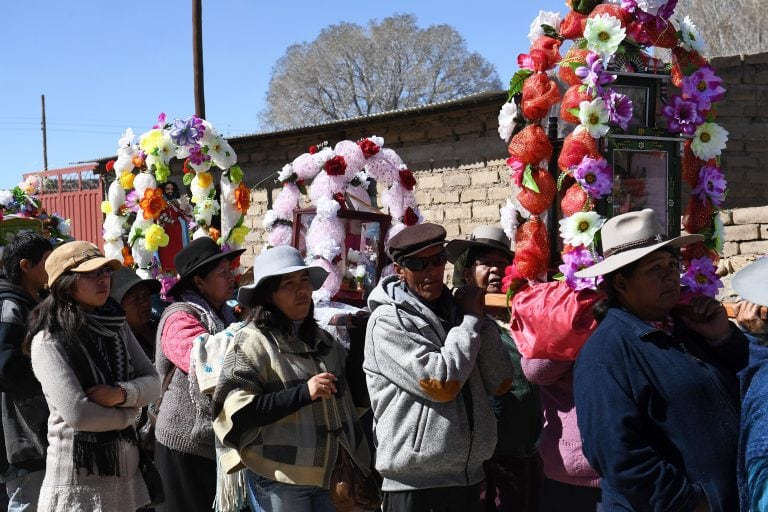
x=707, y=317
x=104, y=395
x=322, y=385
x=752, y=317
x=470, y=299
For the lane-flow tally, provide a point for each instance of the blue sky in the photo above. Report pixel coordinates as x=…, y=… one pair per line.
x=105, y=66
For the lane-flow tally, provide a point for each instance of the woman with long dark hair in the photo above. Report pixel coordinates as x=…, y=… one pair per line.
x=185, y=452
x=282, y=399
x=95, y=378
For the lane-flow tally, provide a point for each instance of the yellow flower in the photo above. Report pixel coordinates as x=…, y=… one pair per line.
x=126, y=180
x=204, y=179
x=155, y=237
x=150, y=140
x=106, y=207
x=238, y=234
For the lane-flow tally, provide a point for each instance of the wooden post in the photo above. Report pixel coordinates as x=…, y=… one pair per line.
x=45, y=137
x=197, y=50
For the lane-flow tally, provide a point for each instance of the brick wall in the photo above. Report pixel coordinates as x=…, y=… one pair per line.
x=746, y=238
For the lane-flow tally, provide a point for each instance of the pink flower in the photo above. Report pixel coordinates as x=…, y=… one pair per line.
x=516, y=171
x=619, y=109
x=703, y=87
x=160, y=122
x=701, y=278
x=712, y=185
x=594, y=175
x=682, y=116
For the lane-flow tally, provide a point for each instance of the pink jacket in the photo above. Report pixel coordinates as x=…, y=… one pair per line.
x=560, y=447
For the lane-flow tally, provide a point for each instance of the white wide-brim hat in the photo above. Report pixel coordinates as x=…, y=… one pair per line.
x=629, y=237
x=278, y=261
x=751, y=282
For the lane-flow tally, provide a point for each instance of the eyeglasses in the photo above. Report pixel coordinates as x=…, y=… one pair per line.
x=418, y=264
x=98, y=273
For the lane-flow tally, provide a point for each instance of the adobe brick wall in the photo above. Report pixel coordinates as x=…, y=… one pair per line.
x=746, y=238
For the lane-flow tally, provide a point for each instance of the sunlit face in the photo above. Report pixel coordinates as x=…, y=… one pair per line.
x=137, y=303
x=427, y=283
x=294, y=295
x=218, y=286
x=91, y=289
x=487, y=270
x=653, y=289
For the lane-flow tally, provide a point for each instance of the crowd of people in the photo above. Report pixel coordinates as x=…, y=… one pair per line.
x=662, y=408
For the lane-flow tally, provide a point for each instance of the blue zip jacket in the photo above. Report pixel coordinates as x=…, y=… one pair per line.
x=659, y=415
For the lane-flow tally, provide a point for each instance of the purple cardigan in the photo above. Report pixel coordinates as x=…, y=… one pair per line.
x=560, y=447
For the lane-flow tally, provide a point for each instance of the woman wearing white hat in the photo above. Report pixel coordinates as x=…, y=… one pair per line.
x=656, y=384
x=282, y=401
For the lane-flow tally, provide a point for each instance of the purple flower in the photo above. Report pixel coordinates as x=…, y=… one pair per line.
x=197, y=123
x=132, y=201
x=573, y=261
x=594, y=175
x=712, y=185
x=620, y=109
x=629, y=5
x=701, y=278
x=184, y=133
x=703, y=87
x=667, y=10
x=593, y=75
x=682, y=116
x=196, y=155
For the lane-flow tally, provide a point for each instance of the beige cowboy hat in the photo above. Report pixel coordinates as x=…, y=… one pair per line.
x=628, y=237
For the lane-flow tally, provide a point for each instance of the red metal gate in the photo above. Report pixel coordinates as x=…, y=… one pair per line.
x=75, y=193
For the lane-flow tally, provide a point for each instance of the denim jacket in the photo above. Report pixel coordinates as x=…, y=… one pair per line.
x=659, y=414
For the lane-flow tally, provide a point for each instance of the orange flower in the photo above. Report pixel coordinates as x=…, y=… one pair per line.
x=153, y=203
x=127, y=256
x=214, y=233
x=242, y=198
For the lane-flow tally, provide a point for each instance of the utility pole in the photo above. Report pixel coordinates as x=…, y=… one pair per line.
x=45, y=138
x=197, y=51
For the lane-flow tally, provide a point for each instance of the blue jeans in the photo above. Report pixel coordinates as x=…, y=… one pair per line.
x=24, y=491
x=271, y=496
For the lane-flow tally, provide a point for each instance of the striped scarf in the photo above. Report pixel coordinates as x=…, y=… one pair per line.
x=101, y=357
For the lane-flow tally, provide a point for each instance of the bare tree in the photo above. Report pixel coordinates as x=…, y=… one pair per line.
x=731, y=27
x=351, y=71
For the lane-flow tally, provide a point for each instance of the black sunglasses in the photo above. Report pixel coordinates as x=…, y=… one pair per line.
x=418, y=264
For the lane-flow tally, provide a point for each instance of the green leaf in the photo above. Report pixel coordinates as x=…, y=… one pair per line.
x=559, y=277
x=574, y=111
x=560, y=180
x=517, y=81
x=528, y=181
x=575, y=64
x=550, y=31
x=188, y=177
x=303, y=189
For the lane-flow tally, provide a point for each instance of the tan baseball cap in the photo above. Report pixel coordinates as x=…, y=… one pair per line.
x=76, y=256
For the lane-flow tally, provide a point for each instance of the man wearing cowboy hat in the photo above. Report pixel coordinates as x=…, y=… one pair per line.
x=512, y=475
x=431, y=360
x=656, y=384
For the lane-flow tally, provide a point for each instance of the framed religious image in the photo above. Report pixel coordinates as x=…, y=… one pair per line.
x=643, y=90
x=645, y=175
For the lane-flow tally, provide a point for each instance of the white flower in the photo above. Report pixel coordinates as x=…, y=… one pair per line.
x=285, y=173
x=269, y=219
x=205, y=210
x=31, y=185
x=379, y=141
x=141, y=255
x=6, y=196
x=166, y=149
x=221, y=153
x=198, y=192
x=327, y=249
x=116, y=195
x=604, y=33
x=349, y=273
x=126, y=141
x=709, y=141
x=580, y=228
x=594, y=116
x=65, y=227
x=210, y=134
x=143, y=181
x=509, y=219
x=327, y=207
x=363, y=177
x=323, y=156
x=113, y=227
x=360, y=272
x=691, y=36
x=507, y=120
x=113, y=249
x=353, y=256
x=544, y=18
x=124, y=163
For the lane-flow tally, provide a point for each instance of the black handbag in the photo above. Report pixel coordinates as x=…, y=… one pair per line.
x=146, y=427
x=152, y=479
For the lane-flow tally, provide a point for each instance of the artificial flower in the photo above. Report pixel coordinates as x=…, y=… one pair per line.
x=148, y=141
x=701, y=278
x=110, y=166
x=269, y=219
x=162, y=172
x=155, y=237
x=711, y=185
x=574, y=260
x=197, y=156
x=580, y=228
x=205, y=210
x=594, y=116
x=285, y=173
x=410, y=217
x=509, y=219
x=604, y=34
x=143, y=181
x=544, y=18
x=123, y=164
x=201, y=186
x=516, y=171
x=236, y=174
x=335, y=166
x=113, y=227
x=595, y=176
x=238, y=234
x=6, y=196
x=30, y=185
x=214, y=233
x=185, y=133
x=407, y=180
x=152, y=203
x=620, y=109
x=242, y=198
x=106, y=207
x=160, y=124
x=709, y=141
x=126, y=180
x=126, y=141
x=369, y=147
x=132, y=200
x=682, y=116
x=116, y=195
x=703, y=87
x=360, y=272
x=594, y=75
x=353, y=256
x=221, y=153
x=691, y=36
x=507, y=122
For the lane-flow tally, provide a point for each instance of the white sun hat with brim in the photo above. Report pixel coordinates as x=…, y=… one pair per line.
x=630, y=236
x=751, y=282
x=278, y=261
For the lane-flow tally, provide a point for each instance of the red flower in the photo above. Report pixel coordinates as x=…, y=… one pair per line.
x=406, y=179
x=187, y=169
x=335, y=166
x=339, y=198
x=110, y=166
x=369, y=147
x=312, y=149
x=410, y=218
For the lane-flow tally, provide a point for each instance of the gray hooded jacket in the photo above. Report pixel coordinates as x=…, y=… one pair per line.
x=433, y=424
